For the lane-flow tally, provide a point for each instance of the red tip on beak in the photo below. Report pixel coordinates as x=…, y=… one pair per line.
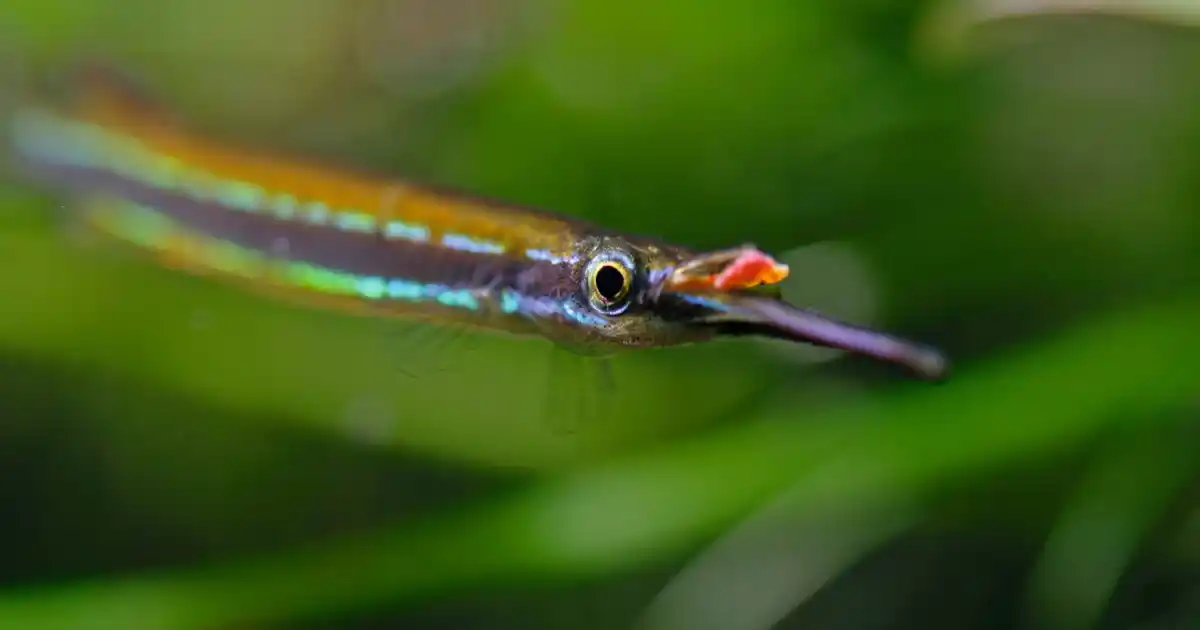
x=729, y=270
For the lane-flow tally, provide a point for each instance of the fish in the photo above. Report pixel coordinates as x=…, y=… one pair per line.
x=336, y=238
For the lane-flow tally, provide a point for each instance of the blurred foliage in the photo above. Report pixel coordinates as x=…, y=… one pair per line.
x=1021, y=192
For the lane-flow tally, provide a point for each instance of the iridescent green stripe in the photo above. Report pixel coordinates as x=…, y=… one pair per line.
x=54, y=139
x=150, y=229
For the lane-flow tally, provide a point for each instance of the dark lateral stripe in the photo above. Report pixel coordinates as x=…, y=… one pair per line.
x=367, y=254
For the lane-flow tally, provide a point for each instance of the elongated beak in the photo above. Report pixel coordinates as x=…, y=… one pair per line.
x=744, y=313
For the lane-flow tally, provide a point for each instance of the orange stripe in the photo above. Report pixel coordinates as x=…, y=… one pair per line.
x=519, y=229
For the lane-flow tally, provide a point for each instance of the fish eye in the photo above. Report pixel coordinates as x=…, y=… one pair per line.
x=609, y=279
x=611, y=282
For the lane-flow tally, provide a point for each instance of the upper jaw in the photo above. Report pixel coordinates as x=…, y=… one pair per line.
x=724, y=270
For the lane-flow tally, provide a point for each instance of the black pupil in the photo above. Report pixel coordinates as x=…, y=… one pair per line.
x=610, y=282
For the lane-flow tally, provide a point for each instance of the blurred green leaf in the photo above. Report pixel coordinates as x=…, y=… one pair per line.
x=1103, y=527
x=949, y=32
x=642, y=508
x=772, y=564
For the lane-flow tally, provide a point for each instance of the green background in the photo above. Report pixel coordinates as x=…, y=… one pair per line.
x=1019, y=192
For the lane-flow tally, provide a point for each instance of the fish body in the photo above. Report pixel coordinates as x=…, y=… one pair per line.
x=389, y=247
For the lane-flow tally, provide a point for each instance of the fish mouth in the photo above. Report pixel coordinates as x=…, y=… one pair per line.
x=748, y=307
x=752, y=315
